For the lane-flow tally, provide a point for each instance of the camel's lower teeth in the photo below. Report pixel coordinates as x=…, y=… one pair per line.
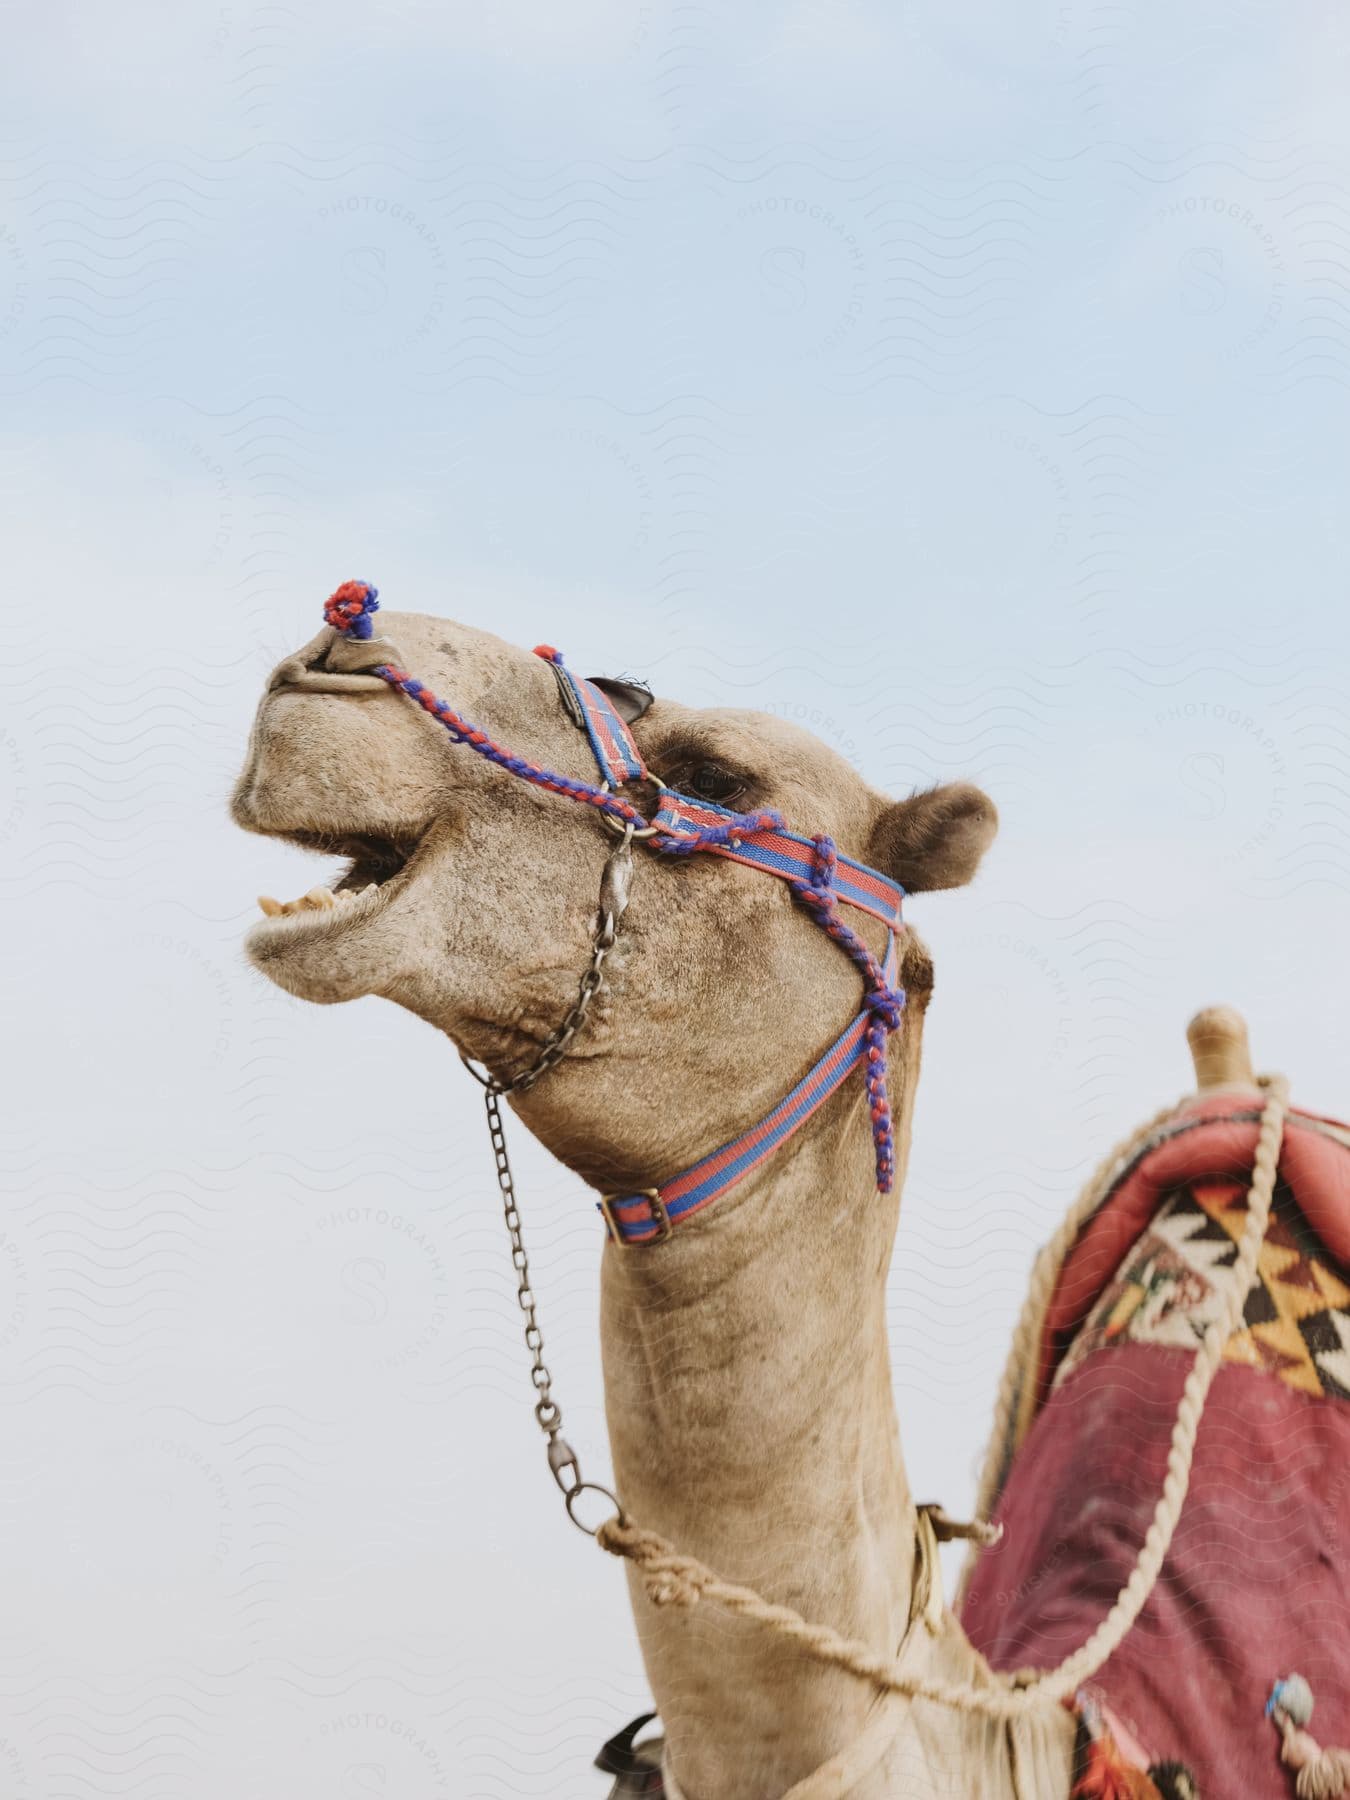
x=319, y=899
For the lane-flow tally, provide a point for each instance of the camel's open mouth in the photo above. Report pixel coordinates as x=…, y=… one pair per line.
x=376, y=867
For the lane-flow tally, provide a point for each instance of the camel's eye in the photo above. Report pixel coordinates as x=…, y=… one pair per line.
x=687, y=767
x=712, y=782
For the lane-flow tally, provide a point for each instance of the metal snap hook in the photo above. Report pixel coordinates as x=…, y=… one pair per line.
x=562, y=1460
x=616, y=881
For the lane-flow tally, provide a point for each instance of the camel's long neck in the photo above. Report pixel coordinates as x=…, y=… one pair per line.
x=750, y=1411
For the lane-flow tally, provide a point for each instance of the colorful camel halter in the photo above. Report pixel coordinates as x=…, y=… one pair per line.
x=819, y=877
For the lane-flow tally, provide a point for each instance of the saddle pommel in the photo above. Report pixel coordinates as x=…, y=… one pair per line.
x=1219, y=1048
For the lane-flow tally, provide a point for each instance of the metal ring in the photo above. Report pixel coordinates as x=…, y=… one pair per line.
x=593, y=1487
x=480, y=1075
x=620, y=826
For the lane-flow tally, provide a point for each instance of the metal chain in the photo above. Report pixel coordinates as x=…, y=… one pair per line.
x=615, y=883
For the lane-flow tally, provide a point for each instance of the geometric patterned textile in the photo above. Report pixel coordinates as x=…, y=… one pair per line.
x=1174, y=1281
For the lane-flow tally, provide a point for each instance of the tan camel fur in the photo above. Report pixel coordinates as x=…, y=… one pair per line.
x=746, y=1368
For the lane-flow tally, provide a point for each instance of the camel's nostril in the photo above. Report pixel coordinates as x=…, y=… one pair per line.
x=315, y=656
x=288, y=673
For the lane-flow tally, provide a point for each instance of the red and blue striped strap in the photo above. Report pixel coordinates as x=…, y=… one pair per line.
x=643, y=1218
x=780, y=852
x=616, y=755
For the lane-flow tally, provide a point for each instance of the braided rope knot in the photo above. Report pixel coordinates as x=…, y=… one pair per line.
x=816, y=890
x=348, y=608
x=887, y=1006
x=823, y=870
x=669, y=1578
x=711, y=837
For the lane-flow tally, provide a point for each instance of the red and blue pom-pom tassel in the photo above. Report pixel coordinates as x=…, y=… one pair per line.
x=348, y=608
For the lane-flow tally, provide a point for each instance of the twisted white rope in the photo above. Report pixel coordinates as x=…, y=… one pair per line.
x=1016, y=1401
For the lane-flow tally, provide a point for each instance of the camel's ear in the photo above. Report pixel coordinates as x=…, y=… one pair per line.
x=934, y=839
x=630, y=698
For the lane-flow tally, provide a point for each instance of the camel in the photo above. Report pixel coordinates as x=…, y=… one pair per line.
x=747, y=1380
x=751, y=1417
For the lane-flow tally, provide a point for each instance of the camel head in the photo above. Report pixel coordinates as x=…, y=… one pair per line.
x=469, y=896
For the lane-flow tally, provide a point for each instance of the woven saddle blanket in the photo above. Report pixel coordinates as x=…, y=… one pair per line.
x=1257, y=1581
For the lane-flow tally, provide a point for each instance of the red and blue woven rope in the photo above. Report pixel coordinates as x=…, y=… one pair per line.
x=819, y=877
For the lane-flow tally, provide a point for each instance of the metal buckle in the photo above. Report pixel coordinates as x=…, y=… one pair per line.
x=656, y=1206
